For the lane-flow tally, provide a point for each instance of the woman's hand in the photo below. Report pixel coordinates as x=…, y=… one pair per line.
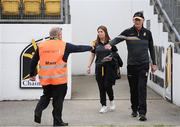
x=88, y=70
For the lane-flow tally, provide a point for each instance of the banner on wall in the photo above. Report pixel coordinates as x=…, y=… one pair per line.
x=25, y=60
x=168, y=73
x=165, y=79
x=159, y=79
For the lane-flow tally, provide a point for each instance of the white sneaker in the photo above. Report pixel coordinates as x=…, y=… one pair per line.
x=104, y=109
x=112, y=106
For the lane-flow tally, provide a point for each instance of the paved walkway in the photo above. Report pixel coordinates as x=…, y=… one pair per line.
x=82, y=110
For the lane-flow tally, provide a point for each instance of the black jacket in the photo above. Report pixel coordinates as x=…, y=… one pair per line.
x=137, y=49
x=110, y=67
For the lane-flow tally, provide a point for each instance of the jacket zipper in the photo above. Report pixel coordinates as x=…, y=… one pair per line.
x=138, y=34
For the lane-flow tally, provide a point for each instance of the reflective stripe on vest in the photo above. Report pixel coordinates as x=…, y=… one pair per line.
x=52, y=77
x=52, y=68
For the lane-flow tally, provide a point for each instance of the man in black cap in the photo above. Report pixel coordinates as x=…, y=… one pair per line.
x=139, y=41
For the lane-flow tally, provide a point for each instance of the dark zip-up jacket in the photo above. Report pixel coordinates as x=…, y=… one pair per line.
x=109, y=66
x=101, y=52
x=137, y=48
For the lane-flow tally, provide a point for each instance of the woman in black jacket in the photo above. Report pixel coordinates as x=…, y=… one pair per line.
x=105, y=68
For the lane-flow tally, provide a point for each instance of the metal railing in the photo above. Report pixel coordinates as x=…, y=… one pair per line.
x=172, y=8
x=62, y=18
x=169, y=13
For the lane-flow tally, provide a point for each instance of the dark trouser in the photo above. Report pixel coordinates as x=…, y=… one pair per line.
x=57, y=92
x=104, y=86
x=103, y=89
x=137, y=77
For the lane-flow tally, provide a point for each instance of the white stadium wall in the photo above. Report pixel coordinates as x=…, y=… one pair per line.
x=14, y=38
x=176, y=79
x=87, y=15
x=117, y=15
x=0, y=68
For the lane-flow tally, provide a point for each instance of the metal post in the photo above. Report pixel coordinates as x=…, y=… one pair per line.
x=67, y=12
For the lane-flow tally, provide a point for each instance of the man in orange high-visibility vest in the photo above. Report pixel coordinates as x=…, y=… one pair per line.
x=52, y=56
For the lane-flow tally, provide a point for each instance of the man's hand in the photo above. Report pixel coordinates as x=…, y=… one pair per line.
x=92, y=47
x=33, y=78
x=108, y=46
x=153, y=68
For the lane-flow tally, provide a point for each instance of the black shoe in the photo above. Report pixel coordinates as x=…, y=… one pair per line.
x=142, y=117
x=134, y=114
x=37, y=119
x=62, y=124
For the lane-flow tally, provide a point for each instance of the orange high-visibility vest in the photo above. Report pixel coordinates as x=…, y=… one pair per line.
x=52, y=68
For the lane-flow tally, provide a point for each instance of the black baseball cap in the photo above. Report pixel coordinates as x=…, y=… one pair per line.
x=138, y=15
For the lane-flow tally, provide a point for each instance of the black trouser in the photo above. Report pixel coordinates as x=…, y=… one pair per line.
x=137, y=77
x=103, y=85
x=57, y=92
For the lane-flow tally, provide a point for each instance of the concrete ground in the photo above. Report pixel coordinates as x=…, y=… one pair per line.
x=83, y=109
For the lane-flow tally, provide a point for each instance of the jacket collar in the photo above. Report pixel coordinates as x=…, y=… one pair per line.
x=142, y=29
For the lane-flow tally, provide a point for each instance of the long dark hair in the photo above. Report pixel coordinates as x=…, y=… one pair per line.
x=107, y=38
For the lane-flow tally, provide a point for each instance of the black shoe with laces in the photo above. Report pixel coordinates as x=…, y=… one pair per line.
x=134, y=114
x=142, y=117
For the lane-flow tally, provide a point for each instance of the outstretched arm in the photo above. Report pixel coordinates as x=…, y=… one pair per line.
x=70, y=48
x=117, y=40
x=121, y=37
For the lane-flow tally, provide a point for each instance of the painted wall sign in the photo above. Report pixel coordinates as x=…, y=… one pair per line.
x=25, y=60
